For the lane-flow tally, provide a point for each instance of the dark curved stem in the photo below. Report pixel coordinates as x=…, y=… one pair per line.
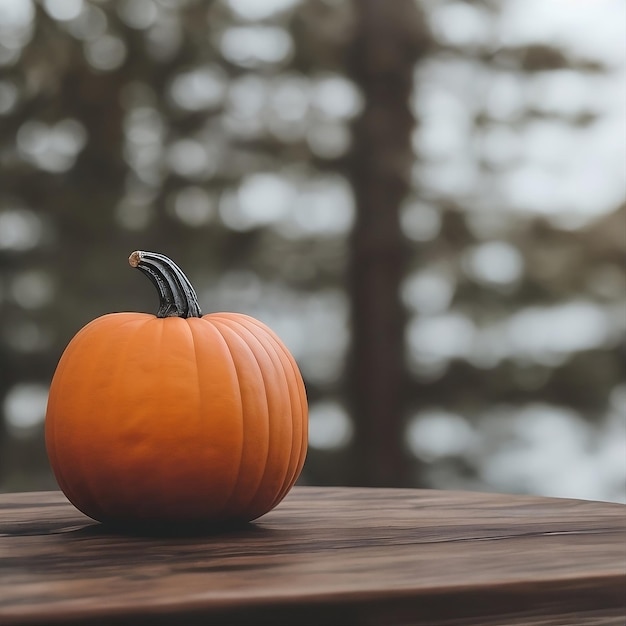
x=177, y=297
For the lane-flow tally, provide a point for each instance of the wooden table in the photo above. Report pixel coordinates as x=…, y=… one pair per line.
x=324, y=556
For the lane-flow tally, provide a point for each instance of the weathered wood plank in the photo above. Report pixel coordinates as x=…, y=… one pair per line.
x=325, y=555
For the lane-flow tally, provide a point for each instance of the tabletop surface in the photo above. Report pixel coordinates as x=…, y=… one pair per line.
x=343, y=556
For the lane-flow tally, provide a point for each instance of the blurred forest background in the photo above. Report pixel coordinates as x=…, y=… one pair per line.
x=425, y=199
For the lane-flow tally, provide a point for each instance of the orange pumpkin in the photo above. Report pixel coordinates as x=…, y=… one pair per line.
x=178, y=417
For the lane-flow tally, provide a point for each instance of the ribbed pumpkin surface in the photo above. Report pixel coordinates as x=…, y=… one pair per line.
x=176, y=419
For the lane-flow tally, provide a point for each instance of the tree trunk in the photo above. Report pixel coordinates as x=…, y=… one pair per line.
x=389, y=38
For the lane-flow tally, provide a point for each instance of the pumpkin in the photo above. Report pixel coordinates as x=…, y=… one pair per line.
x=176, y=418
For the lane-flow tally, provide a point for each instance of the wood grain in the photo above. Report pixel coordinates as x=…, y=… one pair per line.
x=324, y=556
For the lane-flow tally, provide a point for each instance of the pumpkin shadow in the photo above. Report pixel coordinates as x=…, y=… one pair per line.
x=170, y=531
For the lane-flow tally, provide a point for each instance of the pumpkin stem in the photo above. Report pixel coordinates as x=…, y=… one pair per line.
x=177, y=297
